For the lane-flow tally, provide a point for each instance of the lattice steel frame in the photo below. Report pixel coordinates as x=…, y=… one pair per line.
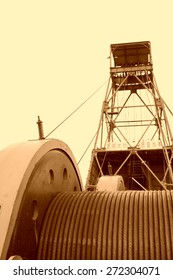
x=131, y=75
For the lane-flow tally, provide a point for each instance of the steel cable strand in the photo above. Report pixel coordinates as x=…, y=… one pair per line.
x=76, y=109
x=119, y=229
x=156, y=239
x=58, y=216
x=141, y=252
x=130, y=248
x=78, y=239
x=126, y=225
x=110, y=233
x=60, y=235
x=125, y=201
x=67, y=226
x=168, y=223
x=100, y=227
x=107, y=234
x=46, y=227
x=150, y=250
x=92, y=215
x=96, y=229
x=115, y=233
x=136, y=241
x=169, y=195
x=162, y=224
x=88, y=226
x=103, y=225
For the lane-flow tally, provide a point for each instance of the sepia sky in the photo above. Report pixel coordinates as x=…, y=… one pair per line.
x=54, y=55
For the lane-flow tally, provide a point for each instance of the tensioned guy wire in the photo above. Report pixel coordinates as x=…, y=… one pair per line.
x=76, y=109
x=87, y=148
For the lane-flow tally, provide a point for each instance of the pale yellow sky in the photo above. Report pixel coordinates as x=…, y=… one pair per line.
x=53, y=56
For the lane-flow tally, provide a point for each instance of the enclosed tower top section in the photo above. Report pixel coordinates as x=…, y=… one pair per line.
x=131, y=54
x=127, y=58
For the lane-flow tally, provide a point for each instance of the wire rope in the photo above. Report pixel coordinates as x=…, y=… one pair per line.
x=87, y=148
x=76, y=109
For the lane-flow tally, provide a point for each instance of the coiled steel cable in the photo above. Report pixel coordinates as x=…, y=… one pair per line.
x=122, y=225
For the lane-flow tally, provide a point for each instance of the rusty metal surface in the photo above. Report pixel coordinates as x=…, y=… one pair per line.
x=106, y=225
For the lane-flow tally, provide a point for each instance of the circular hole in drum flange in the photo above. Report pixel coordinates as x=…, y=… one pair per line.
x=65, y=174
x=15, y=257
x=51, y=176
x=34, y=210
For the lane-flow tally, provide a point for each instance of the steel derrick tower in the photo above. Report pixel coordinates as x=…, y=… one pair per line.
x=134, y=138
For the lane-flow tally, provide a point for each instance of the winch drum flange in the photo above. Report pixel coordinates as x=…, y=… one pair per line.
x=31, y=175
